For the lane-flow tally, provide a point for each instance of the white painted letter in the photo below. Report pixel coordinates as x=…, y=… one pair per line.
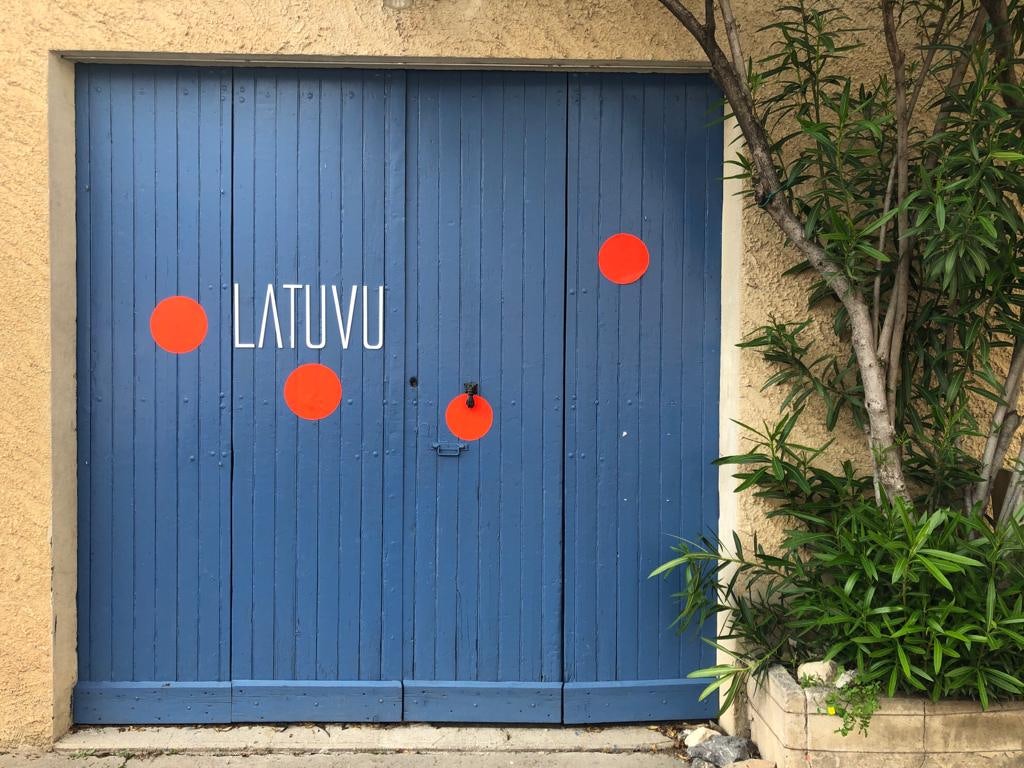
x=344, y=328
x=291, y=288
x=380, y=320
x=239, y=344
x=323, y=319
x=270, y=304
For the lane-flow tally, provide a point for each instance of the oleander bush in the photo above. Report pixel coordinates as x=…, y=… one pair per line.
x=918, y=602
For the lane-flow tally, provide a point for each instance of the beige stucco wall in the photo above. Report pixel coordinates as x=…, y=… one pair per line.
x=37, y=453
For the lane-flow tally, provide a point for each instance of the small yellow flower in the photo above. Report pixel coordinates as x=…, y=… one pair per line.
x=831, y=710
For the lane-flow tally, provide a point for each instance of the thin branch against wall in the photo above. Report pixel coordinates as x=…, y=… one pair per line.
x=890, y=352
x=1005, y=422
x=1003, y=38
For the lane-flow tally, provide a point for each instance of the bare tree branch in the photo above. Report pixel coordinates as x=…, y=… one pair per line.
x=732, y=34
x=770, y=195
x=929, y=57
x=957, y=76
x=1003, y=37
x=890, y=354
x=1014, y=491
x=876, y=306
x=709, y=22
x=889, y=340
x=1000, y=433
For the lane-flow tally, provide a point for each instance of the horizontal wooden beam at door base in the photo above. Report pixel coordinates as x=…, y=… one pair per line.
x=468, y=701
x=276, y=701
x=140, y=703
x=636, y=701
x=240, y=701
x=388, y=701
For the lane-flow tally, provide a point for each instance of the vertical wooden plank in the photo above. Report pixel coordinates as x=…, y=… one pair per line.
x=83, y=362
x=450, y=374
x=425, y=586
x=511, y=392
x=410, y=450
x=468, y=568
x=655, y=314
x=351, y=502
x=329, y=449
x=309, y=274
x=571, y=488
x=122, y=394
x=101, y=317
x=243, y=399
x=188, y=376
x=686, y=516
x=492, y=207
x=166, y=395
x=582, y=381
x=286, y=442
x=609, y=304
x=714, y=150
x=553, y=376
x=224, y=84
x=626, y=459
x=533, y=314
x=267, y=391
x=395, y=383
x=371, y=395
x=674, y=432
x=211, y=430
x=145, y=406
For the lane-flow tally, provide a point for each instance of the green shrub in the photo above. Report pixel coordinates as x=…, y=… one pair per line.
x=917, y=602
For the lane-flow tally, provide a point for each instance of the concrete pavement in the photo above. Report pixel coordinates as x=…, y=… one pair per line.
x=398, y=760
x=407, y=737
x=357, y=746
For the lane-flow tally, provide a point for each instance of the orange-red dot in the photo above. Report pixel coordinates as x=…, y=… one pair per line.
x=623, y=258
x=312, y=391
x=469, y=423
x=178, y=324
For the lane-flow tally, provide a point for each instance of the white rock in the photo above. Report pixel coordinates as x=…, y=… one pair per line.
x=699, y=735
x=821, y=672
x=845, y=679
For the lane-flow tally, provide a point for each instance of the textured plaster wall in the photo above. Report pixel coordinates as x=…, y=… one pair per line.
x=37, y=453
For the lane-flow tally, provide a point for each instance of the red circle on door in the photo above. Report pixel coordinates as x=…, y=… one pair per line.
x=312, y=391
x=469, y=423
x=178, y=324
x=623, y=258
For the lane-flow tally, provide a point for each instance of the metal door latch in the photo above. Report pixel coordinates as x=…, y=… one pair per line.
x=449, y=449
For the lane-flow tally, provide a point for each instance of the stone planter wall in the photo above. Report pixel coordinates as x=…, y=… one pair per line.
x=904, y=733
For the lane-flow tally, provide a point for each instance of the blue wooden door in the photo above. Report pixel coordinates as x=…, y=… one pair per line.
x=253, y=552
x=154, y=438
x=317, y=524
x=485, y=260
x=642, y=388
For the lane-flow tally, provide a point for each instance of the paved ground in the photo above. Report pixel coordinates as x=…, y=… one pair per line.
x=411, y=737
x=406, y=760
x=360, y=746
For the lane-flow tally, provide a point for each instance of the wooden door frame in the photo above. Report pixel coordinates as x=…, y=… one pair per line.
x=63, y=290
